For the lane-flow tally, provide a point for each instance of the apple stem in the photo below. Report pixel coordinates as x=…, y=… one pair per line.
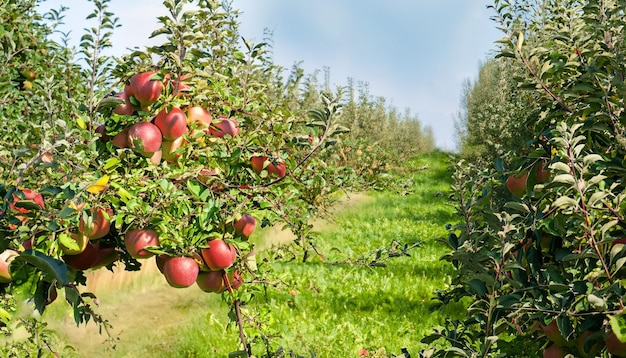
x=242, y=334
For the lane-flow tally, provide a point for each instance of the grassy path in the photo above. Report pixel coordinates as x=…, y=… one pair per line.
x=340, y=309
x=333, y=310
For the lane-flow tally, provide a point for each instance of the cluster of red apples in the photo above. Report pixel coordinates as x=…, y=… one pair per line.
x=158, y=139
x=207, y=268
x=164, y=134
x=79, y=249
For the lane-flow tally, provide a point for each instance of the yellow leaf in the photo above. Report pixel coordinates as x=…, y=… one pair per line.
x=99, y=186
x=81, y=123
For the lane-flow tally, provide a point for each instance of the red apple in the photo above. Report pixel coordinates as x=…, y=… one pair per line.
x=552, y=332
x=554, y=351
x=160, y=261
x=277, y=168
x=120, y=140
x=100, y=223
x=621, y=240
x=258, y=162
x=199, y=117
x=211, y=281
x=155, y=158
x=102, y=130
x=28, y=195
x=179, y=87
x=168, y=147
x=223, y=126
x=46, y=157
x=233, y=280
x=106, y=256
x=126, y=108
x=245, y=226
x=5, y=260
x=219, y=255
x=84, y=260
x=145, y=138
x=172, y=124
x=543, y=173
x=517, y=185
x=29, y=244
x=136, y=240
x=51, y=295
x=615, y=346
x=180, y=271
x=205, y=175
x=593, y=347
x=145, y=90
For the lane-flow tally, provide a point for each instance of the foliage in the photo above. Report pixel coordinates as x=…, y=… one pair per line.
x=380, y=137
x=62, y=162
x=494, y=112
x=41, y=90
x=545, y=268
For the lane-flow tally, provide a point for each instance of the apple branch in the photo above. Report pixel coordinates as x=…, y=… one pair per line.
x=517, y=49
x=242, y=333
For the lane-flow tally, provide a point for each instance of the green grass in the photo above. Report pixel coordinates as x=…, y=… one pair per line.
x=337, y=309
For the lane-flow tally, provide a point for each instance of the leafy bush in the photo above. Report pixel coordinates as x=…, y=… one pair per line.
x=542, y=262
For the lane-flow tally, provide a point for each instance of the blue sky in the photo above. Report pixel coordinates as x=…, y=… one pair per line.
x=415, y=53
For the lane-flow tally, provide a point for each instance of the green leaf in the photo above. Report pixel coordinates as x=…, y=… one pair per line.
x=161, y=31
x=195, y=187
x=560, y=166
x=619, y=263
x=457, y=351
x=595, y=180
x=505, y=54
x=110, y=163
x=110, y=102
x=124, y=194
x=508, y=301
x=478, y=286
x=517, y=206
x=66, y=241
x=592, y=158
x=564, y=202
x=618, y=326
x=596, y=197
x=520, y=40
x=51, y=267
x=608, y=226
x=564, y=178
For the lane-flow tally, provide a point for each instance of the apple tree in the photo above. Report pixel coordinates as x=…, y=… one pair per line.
x=175, y=153
x=539, y=258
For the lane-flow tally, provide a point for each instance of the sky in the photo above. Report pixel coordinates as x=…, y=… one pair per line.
x=414, y=53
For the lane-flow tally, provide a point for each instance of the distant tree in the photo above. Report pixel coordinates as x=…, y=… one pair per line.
x=494, y=112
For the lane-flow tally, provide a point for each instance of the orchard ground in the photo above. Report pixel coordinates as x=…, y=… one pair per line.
x=384, y=308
